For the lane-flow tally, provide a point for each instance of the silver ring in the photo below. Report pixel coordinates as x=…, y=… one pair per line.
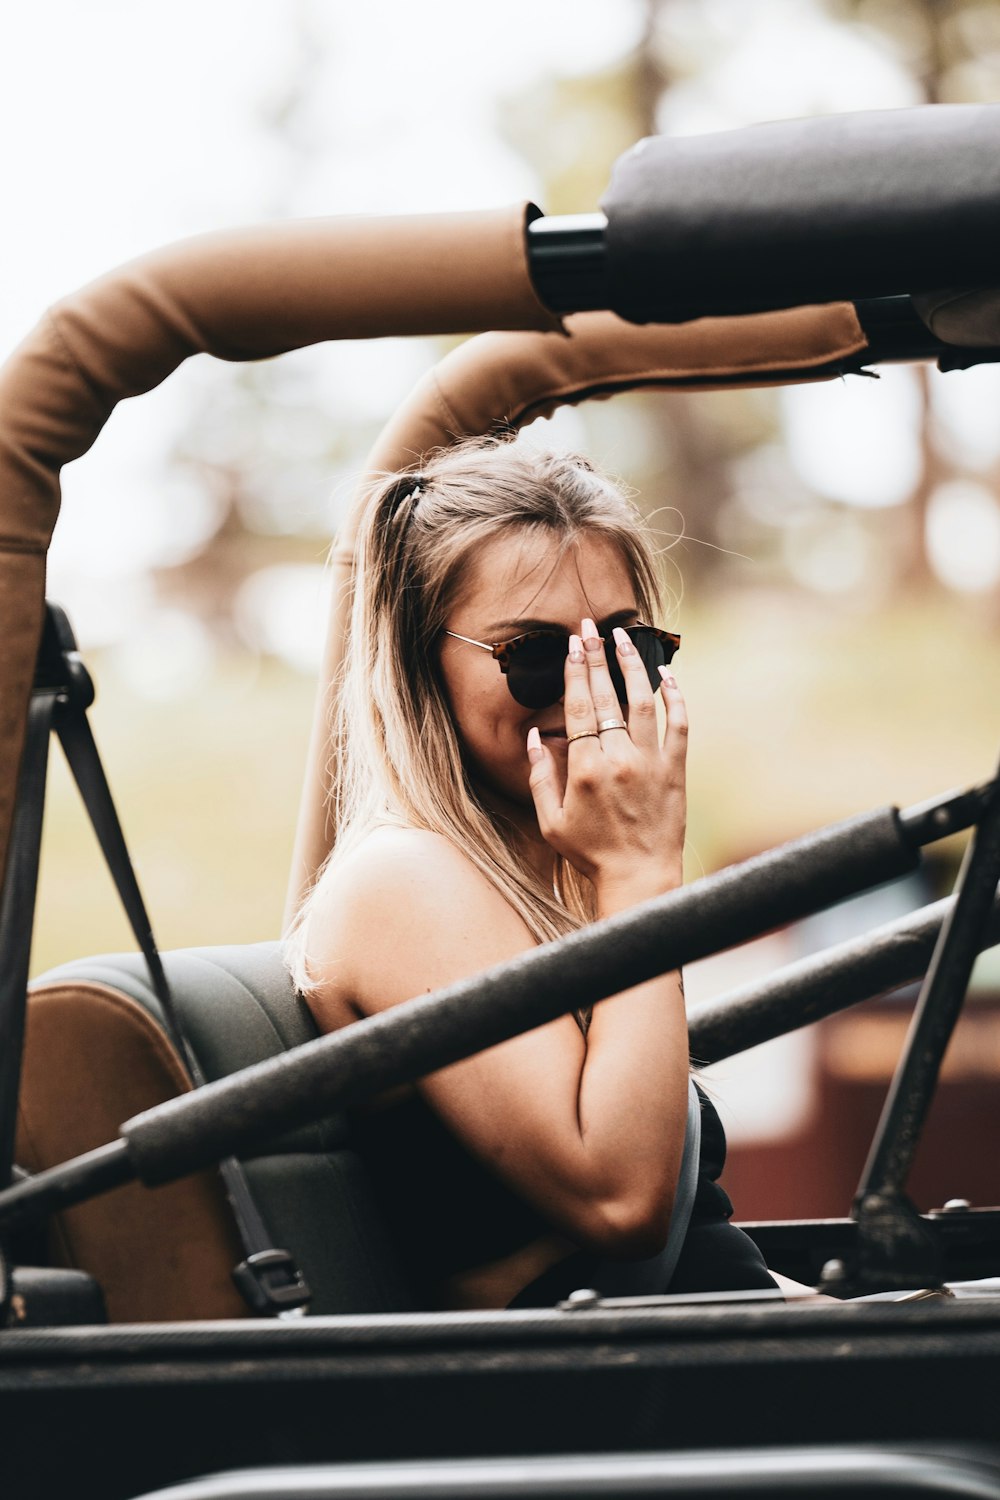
x=611, y=724
x=584, y=734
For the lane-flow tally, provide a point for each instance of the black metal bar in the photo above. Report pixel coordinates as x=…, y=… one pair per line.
x=896, y=333
x=800, y=993
x=937, y=1010
x=17, y=914
x=75, y=1181
x=568, y=261
x=939, y=817
x=895, y=1247
x=237, y=1114
x=968, y=1240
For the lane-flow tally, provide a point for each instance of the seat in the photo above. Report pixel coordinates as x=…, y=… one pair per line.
x=96, y=1053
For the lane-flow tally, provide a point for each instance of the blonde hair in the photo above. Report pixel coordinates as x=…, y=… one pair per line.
x=397, y=754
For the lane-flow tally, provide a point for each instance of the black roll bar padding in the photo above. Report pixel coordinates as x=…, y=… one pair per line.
x=236, y=1115
x=863, y=968
x=338, y=1071
x=831, y=208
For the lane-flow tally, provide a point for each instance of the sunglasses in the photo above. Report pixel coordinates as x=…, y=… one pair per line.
x=534, y=664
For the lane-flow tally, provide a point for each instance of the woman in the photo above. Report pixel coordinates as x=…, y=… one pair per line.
x=502, y=779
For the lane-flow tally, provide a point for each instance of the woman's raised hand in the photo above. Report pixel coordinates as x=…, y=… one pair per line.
x=618, y=816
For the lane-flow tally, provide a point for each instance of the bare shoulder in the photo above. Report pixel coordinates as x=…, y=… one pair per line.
x=404, y=869
x=402, y=914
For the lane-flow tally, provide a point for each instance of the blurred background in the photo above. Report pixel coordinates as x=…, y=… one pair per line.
x=835, y=549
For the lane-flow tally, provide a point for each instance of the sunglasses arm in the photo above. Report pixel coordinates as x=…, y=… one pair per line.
x=483, y=645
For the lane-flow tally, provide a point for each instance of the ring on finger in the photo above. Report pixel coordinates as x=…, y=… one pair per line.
x=611, y=724
x=583, y=734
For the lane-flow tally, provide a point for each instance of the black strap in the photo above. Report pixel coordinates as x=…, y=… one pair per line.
x=267, y=1278
x=17, y=915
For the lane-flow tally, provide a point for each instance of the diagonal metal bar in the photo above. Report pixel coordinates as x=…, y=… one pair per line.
x=895, y=1248
x=863, y=968
x=937, y=1010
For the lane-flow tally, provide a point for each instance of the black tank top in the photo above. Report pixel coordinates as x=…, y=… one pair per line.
x=448, y=1212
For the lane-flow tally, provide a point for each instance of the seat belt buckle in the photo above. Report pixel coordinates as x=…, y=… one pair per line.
x=272, y=1284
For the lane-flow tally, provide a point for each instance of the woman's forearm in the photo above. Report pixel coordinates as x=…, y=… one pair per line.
x=632, y=1098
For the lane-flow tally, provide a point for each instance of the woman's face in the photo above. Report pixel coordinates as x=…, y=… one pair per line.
x=520, y=583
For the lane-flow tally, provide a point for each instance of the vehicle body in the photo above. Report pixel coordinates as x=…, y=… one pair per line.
x=777, y=254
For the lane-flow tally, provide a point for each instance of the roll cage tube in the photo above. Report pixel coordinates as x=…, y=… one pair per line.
x=570, y=268
x=340, y=1070
x=871, y=207
x=813, y=210
x=240, y=295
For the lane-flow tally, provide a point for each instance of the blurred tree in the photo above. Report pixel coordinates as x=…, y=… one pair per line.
x=572, y=130
x=259, y=439
x=952, y=50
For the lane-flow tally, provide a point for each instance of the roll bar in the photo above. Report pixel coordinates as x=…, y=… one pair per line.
x=813, y=210
x=571, y=268
x=340, y=1070
x=240, y=295
x=253, y=293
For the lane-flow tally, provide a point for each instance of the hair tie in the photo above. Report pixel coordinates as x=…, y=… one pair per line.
x=411, y=487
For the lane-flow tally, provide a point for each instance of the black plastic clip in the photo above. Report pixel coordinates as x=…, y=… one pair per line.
x=271, y=1283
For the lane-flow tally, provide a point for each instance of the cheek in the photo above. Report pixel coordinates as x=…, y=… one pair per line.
x=491, y=726
x=476, y=695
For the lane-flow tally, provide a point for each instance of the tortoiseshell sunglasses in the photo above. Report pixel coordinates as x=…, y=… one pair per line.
x=534, y=663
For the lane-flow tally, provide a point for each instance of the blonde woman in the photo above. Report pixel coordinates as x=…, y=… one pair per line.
x=502, y=778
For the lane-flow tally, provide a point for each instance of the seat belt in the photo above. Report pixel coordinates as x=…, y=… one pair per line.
x=687, y=1188
x=267, y=1278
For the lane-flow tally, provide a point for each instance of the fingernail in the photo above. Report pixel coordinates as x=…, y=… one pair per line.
x=667, y=676
x=591, y=639
x=622, y=641
x=535, y=751
x=575, y=649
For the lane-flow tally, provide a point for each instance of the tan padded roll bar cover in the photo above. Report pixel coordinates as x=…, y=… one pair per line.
x=510, y=378
x=240, y=295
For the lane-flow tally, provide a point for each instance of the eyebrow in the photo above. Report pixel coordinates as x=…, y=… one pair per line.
x=523, y=626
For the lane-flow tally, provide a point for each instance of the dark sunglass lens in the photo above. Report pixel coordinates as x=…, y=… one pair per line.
x=616, y=672
x=653, y=652
x=535, y=671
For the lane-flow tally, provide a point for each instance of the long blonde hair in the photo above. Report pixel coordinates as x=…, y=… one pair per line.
x=397, y=754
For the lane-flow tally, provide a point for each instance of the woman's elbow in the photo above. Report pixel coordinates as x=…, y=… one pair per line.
x=632, y=1226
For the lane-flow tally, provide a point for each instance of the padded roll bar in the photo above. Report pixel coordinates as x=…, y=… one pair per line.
x=813, y=210
x=237, y=1114
x=833, y=980
x=240, y=295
